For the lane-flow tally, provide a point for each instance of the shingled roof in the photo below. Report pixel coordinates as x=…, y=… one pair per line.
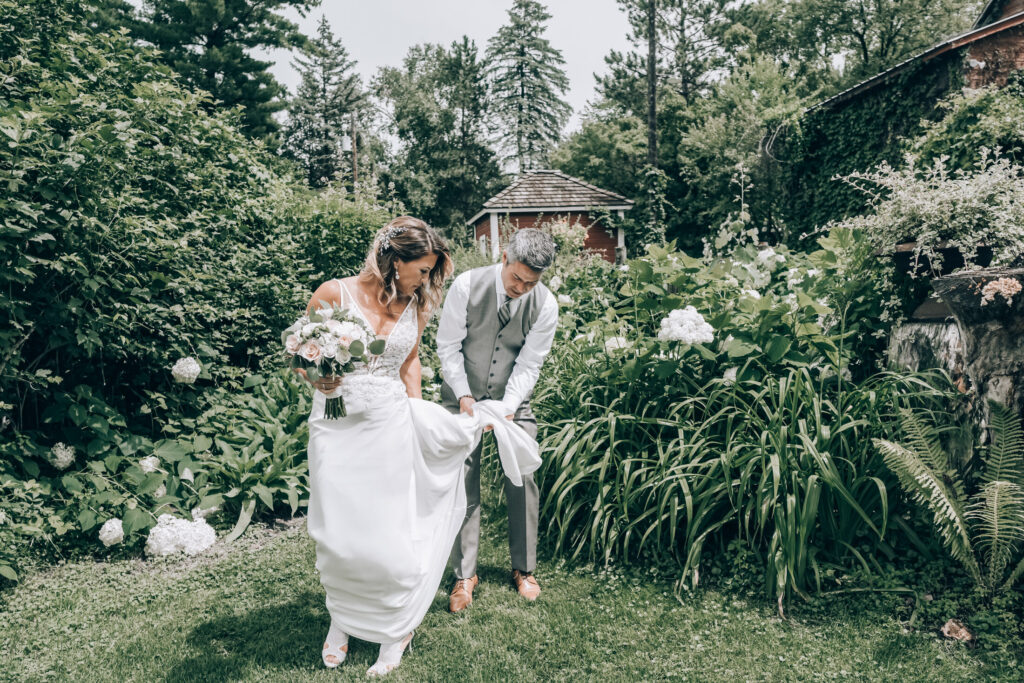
x=548, y=190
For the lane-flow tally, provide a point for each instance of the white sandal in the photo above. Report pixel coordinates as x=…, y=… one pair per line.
x=390, y=656
x=335, y=647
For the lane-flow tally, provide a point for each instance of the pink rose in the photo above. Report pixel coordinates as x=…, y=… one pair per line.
x=292, y=344
x=312, y=352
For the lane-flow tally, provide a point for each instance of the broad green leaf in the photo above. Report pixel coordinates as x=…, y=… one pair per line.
x=777, y=348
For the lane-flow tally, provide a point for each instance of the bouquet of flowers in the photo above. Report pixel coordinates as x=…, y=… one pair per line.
x=330, y=341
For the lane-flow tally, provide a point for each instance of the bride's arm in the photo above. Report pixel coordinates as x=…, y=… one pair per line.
x=327, y=293
x=411, y=370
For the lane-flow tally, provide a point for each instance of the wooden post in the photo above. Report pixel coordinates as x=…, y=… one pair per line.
x=495, y=246
x=620, y=235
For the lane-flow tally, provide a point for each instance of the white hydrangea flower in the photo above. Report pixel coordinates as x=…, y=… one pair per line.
x=813, y=272
x=186, y=370
x=112, y=532
x=565, y=300
x=172, y=535
x=555, y=283
x=62, y=455
x=624, y=267
x=149, y=464
x=686, y=325
x=427, y=373
x=731, y=281
x=730, y=375
x=752, y=293
x=615, y=343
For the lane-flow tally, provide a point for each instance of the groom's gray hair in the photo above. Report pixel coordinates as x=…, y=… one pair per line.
x=533, y=248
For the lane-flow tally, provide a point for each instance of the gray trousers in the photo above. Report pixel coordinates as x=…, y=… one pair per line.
x=523, y=504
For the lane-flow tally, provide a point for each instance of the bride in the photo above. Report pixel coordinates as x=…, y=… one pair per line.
x=386, y=491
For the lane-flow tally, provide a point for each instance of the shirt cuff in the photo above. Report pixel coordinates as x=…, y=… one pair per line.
x=511, y=403
x=461, y=388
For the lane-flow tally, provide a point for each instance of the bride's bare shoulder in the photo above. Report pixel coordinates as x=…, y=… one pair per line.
x=329, y=293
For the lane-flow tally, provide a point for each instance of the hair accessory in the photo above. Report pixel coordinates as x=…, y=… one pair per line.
x=385, y=241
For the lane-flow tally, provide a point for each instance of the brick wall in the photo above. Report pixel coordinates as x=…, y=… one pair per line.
x=598, y=239
x=991, y=60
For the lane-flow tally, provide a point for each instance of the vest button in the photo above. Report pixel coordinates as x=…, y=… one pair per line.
x=492, y=374
x=499, y=336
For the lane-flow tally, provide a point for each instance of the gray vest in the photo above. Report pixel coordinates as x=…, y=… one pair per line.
x=489, y=350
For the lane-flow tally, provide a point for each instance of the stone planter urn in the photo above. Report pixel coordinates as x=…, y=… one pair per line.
x=988, y=306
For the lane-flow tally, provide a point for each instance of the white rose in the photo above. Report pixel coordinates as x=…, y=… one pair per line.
x=312, y=352
x=292, y=344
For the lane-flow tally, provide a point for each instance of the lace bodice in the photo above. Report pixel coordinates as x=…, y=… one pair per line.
x=379, y=378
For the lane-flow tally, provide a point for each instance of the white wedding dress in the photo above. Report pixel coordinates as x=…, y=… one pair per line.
x=386, y=491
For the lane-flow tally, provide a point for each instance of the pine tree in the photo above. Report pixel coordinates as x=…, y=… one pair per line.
x=321, y=116
x=208, y=43
x=528, y=86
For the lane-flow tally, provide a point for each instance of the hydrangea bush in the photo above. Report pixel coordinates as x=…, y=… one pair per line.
x=713, y=394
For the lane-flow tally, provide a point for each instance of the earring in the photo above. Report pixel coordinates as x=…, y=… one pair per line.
x=397, y=276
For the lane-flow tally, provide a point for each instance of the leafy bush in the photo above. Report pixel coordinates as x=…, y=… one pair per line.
x=760, y=434
x=136, y=229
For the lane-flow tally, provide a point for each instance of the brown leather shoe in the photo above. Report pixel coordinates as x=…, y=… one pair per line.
x=461, y=596
x=526, y=584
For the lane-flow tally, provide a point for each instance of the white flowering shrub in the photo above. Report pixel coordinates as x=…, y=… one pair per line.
x=112, y=532
x=568, y=236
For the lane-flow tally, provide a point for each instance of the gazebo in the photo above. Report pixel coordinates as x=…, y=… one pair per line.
x=540, y=195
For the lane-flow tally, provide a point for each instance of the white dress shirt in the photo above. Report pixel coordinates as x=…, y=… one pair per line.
x=451, y=331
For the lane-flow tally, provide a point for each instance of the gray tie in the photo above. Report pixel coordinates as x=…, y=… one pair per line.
x=505, y=312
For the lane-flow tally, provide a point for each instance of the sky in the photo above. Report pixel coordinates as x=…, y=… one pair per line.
x=378, y=33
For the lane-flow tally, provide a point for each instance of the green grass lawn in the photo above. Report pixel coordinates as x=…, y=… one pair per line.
x=254, y=611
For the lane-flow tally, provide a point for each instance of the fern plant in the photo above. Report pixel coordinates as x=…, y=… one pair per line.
x=983, y=531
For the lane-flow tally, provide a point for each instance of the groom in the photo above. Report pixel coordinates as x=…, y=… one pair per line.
x=496, y=327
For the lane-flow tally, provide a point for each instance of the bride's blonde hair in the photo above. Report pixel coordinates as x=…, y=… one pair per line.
x=407, y=239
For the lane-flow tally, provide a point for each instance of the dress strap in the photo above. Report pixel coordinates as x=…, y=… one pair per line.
x=343, y=293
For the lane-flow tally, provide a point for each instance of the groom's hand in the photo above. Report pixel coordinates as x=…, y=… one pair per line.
x=466, y=405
